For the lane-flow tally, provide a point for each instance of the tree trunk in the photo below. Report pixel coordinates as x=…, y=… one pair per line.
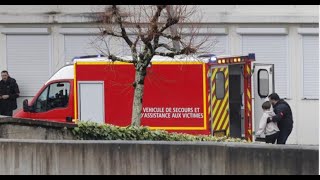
x=138, y=95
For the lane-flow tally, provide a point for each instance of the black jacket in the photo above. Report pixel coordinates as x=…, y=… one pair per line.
x=283, y=115
x=11, y=88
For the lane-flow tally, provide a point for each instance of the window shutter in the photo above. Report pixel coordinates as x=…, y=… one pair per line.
x=310, y=66
x=270, y=49
x=28, y=61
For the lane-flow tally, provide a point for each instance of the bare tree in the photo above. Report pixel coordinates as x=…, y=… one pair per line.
x=146, y=29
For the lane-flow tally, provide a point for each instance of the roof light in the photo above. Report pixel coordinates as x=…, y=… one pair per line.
x=88, y=56
x=212, y=58
x=208, y=57
x=219, y=61
x=223, y=61
x=252, y=56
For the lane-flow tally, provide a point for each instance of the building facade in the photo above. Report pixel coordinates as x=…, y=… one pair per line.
x=35, y=41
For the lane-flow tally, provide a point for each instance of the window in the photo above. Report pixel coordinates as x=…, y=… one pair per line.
x=271, y=49
x=28, y=58
x=220, y=92
x=54, y=96
x=216, y=44
x=310, y=66
x=81, y=45
x=263, y=83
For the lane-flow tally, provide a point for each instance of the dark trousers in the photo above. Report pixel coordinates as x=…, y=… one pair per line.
x=283, y=135
x=272, y=138
x=6, y=112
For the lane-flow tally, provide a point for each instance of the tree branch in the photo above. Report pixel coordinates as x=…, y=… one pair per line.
x=175, y=38
x=167, y=47
x=119, y=21
x=134, y=49
x=171, y=54
x=154, y=22
x=170, y=21
x=114, y=58
x=110, y=33
x=156, y=33
x=187, y=50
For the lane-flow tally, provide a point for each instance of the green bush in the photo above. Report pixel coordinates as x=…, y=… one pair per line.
x=95, y=131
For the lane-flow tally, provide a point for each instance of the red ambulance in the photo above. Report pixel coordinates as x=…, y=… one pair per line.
x=204, y=95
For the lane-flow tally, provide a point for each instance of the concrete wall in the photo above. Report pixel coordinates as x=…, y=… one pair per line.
x=146, y=157
x=14, y=128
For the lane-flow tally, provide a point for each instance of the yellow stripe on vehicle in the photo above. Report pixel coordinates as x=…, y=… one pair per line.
x=248, y=69
x=248, y=93
x=224, y=111
x=225, y=123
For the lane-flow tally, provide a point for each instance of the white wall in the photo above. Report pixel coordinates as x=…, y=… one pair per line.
x=213, y=13
x=229, y=17
x=305, y=111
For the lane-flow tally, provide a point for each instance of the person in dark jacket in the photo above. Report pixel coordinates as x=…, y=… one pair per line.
x=9, y=92
x=283, y=117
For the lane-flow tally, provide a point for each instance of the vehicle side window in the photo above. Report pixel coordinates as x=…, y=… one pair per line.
x=41, y=102
x=54, y=96
x=263, y=83
x=220, y=81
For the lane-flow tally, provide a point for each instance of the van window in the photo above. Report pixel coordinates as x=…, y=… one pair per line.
x=220, y=85
x=263, y=83
x=54, y=96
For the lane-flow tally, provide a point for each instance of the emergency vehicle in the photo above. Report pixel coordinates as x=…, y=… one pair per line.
x=218, y=95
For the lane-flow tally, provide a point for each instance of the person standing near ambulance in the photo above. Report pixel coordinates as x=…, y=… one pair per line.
x=283, y=117
x=9, y=92
x=270, y=129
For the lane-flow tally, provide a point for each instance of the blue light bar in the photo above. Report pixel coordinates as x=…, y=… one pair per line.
x=252, y=56
x=212, y=57
x=88, y=56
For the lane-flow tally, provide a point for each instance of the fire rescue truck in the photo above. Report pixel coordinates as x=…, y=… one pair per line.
x=218, y=95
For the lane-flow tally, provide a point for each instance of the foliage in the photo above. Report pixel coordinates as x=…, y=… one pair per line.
x=95, y=131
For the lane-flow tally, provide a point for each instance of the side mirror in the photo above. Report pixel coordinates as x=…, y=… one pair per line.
x=26, y=107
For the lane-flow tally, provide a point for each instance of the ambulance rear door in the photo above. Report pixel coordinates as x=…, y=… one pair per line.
x=263, y=86
x=219, y=100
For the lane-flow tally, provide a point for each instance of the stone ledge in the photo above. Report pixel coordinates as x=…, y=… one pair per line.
x=35, y=122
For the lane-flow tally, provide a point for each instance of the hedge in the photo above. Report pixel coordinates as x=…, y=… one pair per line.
x=95, y=131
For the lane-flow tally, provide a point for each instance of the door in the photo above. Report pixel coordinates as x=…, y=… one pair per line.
x=219, y=104
x=53, y=103
x=263, y=86
x=235, y=105
x=91, y=101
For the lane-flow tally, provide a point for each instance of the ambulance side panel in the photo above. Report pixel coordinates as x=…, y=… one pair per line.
x=175, y=95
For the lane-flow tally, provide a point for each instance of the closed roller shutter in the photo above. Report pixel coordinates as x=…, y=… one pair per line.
x=310, y=66
x=81, y=45
x=215, y=44
x=28, y=60
x=270, y=49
